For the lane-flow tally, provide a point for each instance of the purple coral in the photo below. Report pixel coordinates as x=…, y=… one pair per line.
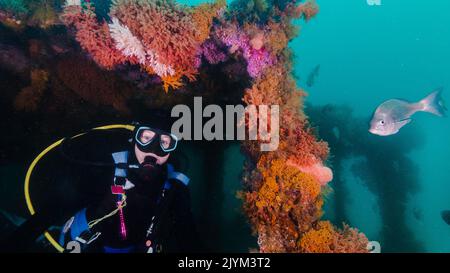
x=236, y=39
x=257, y=61
x=212, y=52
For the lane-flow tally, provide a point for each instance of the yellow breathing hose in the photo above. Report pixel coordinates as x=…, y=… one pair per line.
x=36, y=161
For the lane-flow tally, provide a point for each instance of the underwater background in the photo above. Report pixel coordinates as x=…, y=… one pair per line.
x=369, y=54
x=349, y=58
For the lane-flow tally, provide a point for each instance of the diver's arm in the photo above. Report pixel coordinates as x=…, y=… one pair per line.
x=81, y=228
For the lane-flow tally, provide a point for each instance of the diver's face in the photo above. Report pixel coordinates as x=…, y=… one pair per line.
x=141, y=156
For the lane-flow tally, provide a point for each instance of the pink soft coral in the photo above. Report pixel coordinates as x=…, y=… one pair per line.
x=322, y=173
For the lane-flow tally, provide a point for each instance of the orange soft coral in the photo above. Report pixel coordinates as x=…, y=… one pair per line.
x=267, y=89
x=95, y=86
x=202, y=17
x=93, y=37
x=303, y=148
x=29, y=98
x=276, y=38
x=171, y=82
x=161, y=35
x=276, y=87
x=166, y=30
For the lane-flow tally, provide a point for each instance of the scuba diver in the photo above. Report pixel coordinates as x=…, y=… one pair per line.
x=115, y=192
x=147, y=208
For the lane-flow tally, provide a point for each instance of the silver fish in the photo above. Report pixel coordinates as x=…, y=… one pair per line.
x=393, y=114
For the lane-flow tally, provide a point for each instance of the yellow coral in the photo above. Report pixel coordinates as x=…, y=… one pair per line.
x=287, y=177
x=284, y=191
x=325, y=238
x=203, y=16
x=318, y=240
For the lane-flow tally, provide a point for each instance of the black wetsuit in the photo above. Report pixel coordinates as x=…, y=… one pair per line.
x=175, y=227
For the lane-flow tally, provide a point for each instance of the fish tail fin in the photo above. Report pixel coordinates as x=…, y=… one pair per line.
x=434, y=103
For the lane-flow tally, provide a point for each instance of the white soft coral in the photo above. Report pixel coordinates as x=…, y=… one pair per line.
x=125, y=41
x=73, y=3
x=131, y=46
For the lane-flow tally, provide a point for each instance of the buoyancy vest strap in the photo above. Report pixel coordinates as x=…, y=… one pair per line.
x=172, y=174
x=120, y=158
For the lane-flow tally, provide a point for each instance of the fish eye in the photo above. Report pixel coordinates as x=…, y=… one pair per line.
x=382, y=122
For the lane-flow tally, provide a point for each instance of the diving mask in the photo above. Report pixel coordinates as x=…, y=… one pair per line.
x=150, y=140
